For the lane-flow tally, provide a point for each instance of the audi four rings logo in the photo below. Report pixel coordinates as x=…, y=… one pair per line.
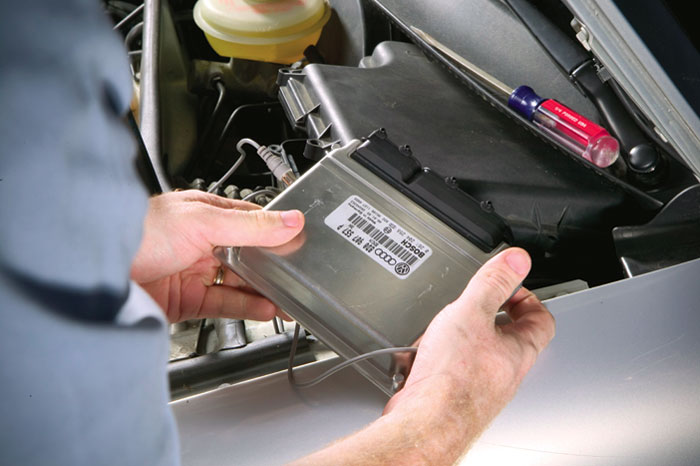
x=385, y=256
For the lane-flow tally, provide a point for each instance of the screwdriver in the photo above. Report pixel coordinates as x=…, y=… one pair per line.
x=559, y=122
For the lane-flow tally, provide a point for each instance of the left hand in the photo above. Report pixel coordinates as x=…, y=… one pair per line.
x=175, y=264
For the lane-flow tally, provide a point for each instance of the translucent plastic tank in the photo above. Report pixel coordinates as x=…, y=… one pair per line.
x=274, y=31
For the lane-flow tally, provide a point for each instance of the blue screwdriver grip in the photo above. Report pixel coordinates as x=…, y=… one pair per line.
x=524, y=101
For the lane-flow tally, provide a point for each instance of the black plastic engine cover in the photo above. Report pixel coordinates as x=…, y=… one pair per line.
x=558, y=210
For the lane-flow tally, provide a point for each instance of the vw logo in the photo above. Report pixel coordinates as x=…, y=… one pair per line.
x=402, y=268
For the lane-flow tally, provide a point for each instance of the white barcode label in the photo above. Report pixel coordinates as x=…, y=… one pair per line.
x=380, y=238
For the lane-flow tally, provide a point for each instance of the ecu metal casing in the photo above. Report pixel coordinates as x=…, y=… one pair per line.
x=340, y=292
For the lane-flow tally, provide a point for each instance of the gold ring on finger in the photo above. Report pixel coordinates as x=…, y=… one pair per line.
x=219, y=279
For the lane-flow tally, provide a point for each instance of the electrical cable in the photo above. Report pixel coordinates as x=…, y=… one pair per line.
x=254, y=194
x=293, y=164
x=279, y=167
x=291, y=161
x=208, y=159
x=221, y=90
x=128, y=17
x=634, y=111
x=233, y=116
x=241, y=158
x=133, y=34
x=288, y=159
x=219, y=86
x=338, y=367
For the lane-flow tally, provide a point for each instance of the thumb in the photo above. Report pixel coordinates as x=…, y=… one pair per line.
x=494, y=283
x=251, y=228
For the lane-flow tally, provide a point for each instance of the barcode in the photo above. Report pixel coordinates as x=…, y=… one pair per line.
x=382, y=239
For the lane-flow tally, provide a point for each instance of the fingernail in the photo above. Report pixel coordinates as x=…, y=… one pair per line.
x=519, y=261
x=290, y=218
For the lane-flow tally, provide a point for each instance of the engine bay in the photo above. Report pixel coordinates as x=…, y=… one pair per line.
x=368, y=72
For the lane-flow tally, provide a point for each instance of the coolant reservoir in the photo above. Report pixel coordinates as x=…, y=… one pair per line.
x=274, y=31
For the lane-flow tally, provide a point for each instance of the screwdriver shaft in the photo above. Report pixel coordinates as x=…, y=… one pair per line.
x=485, y=77
x=558, y=122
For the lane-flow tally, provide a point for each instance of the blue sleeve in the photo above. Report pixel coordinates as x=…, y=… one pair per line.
x=84, y=351
x=71, y=203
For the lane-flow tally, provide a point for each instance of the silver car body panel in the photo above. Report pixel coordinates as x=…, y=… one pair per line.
x=619, y=385
x=616, y=44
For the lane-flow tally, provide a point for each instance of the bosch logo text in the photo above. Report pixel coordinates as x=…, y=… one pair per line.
x=407, y=244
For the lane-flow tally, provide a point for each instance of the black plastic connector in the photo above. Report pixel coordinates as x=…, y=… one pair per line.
x=439, y=196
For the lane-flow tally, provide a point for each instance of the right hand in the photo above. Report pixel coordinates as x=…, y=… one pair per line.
x=467, y=367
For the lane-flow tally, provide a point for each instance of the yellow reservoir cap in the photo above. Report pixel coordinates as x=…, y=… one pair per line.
x=274, y=31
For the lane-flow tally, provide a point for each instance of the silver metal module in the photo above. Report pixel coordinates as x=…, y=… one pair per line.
x=370, y=269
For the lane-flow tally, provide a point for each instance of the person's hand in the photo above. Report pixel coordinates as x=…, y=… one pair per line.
x=467, y=368
x=175, y=264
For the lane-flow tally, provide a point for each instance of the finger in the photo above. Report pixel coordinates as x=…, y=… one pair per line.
x=230, y=279
x=523, y=301
x=223, y=301
x=193, y=195
x=249, y=228
x=291, y=246
x=532, y=323
x=283, y=315
x=242, y=205
x=494, y=283
x=231, y=204
x=535, y=329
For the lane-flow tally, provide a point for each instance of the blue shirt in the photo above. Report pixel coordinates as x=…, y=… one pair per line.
x=83, y=351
